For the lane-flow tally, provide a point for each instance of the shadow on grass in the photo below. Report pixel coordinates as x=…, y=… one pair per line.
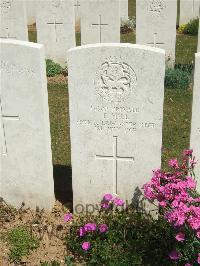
x=63, y=185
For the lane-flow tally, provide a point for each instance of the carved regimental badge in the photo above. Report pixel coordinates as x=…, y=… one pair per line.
x=5, y=5
x=55, y=3
x=156, y=6
x=115, y=80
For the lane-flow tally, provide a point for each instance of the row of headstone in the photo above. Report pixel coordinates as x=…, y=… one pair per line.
x=156, y=24
x=120, y=93
x=189, y=9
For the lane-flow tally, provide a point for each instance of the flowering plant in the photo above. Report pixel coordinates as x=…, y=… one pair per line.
x=176, y=194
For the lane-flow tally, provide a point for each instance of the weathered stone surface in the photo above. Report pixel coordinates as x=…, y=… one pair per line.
x=189, y=9
x=116, y=111
x=195, y=127
x=26, y=160
x=56, y=28
x=13, y=22
x=100, y=21
x=156, y=25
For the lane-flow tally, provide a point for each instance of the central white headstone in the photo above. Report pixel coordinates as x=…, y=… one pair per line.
x=27, y=172
x=56, y=28
x=189, y=9
x=100, y=21
x=116, y=111
x=156, y=25
x=13, y=22
x=195, y=127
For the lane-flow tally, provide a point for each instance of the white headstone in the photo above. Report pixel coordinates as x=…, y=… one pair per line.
x=31, y=11
x=195, y=127
x=189, y=9
x=13, y=22
x=116, y=111
x=124, y=9
x=27, y=174
x=100, y=21
x=156, y=25
x=56, y=28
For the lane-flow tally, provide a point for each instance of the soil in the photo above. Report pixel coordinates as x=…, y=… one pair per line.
x=49, y=227
x=59, y=79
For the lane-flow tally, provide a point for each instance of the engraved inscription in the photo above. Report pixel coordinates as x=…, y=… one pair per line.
x=115, y=80
x=156, y=6
x=12, y=68
x=115, y=158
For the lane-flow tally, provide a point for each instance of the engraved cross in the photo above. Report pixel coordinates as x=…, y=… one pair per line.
x=77, y=5
x=100, y=24
x=3, y=131
x=154, y=40
x=115, y=158
x=55, y=26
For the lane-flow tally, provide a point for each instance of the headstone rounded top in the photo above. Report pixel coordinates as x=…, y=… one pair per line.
x=125, y=45
x=22, y=43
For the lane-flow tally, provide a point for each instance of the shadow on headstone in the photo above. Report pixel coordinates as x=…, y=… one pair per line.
x=63, y=185
x=142, y=205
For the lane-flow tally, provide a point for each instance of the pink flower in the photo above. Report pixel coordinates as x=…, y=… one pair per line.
x=105, y=205
x=173, y=163
x=180, y=237
x=103, y=228
x=187, y=152
x=174, y=255
x=198, y=234
x=107, y=197
x=82, y=231
x=188, y=264
x=198, y=259
x=118, y=202
x=68, y=217
x=163, y=204
x=86, y=246
x=90, y=227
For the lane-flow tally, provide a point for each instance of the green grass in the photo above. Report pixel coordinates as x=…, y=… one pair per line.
x=21, y=243
x=176, y=125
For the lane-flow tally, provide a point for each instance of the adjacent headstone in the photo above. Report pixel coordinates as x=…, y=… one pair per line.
x=116, y=112
x=189, y=9
x=124, y=9
x=195, y=127
x=56, y=28
x=31, y=11
x=100, y=21
x=26, y=161
x=156, y=25
x=13, y=23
